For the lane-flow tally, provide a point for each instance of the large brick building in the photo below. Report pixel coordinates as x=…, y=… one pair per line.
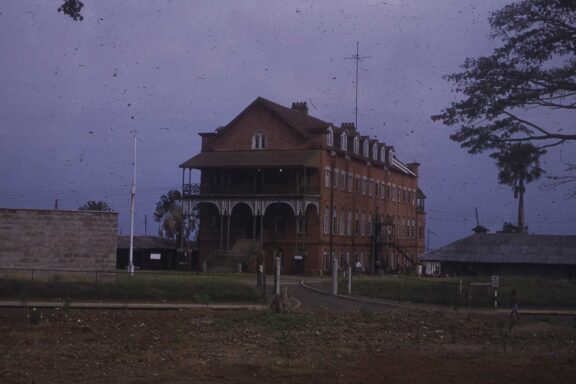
x=276, y=181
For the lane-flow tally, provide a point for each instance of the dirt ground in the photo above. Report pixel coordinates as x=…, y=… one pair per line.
x=119, y=346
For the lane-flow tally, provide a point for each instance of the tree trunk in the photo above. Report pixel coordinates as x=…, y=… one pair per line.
x=521, y=223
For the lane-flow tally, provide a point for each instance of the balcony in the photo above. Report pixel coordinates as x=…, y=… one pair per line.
x=249, y=189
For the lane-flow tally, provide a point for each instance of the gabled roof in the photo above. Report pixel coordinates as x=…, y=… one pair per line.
x=301, y=122
x=514, y=248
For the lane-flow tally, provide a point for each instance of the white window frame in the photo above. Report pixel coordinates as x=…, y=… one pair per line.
x=344, y=141
x=258, y=140
x=330, y=137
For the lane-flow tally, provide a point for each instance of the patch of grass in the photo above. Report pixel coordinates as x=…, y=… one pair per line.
x=140, y=287
x=532, y=292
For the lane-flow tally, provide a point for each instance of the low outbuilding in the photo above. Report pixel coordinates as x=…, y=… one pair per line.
x=505, y=254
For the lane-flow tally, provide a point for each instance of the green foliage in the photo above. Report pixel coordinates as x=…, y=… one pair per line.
x=95, y=206
x=72, y=8
x=533, y=68
x=518, y=164
x=173, y=223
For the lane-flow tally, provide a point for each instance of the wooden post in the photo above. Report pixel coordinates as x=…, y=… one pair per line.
x=349, y=279
x=335, y=276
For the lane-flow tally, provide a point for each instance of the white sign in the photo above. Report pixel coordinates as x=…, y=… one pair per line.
x=495, y=281
x=298, y=257
x=155, y=256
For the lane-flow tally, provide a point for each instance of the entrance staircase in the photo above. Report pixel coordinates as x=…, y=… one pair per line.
x=223, y=261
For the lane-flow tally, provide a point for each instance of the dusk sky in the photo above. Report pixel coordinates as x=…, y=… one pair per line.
x=73, y=93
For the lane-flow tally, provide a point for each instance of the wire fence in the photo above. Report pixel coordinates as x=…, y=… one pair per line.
x=144, y=286
x=477, y=292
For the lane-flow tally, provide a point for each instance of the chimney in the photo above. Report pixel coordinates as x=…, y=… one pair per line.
x=300, y=106
x=413, y=167
x=348, y=127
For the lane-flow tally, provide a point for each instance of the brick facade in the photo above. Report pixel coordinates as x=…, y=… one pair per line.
x=52, y=239
x=278, y=182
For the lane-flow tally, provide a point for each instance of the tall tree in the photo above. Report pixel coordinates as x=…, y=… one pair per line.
x=95, y=206
x=530, y=75
x=173, y=223
x=519, y=164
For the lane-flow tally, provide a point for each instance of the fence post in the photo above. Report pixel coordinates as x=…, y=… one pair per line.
x=349, y=279
x=335, y=277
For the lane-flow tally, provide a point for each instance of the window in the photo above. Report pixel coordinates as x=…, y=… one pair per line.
x=350, y=182
x=342, y=180
x=383, y=153
x=364, y=185
x=358, y=184
x=342, y=223
x=357, y=223
x=327, y=178
x=370, y=187
x=362, y=224
x=329, y=137
x=356, y=145
x=375, y=151
x=349, y=226
x=334, y=221
x=388, y=191
x=365, y=148
x=326, y=221
x=344, y=141
x=258, y=140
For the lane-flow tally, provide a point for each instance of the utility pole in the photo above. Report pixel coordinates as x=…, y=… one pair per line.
x=132, y=197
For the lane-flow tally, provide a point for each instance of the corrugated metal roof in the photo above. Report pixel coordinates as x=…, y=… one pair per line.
x=509, y=248
x=254, y=158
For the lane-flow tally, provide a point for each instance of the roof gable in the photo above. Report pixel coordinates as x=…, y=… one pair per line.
x=300, y=122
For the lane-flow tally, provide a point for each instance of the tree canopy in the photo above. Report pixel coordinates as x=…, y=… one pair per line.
x=95, y=206
x=173, y=223
x=532, y=73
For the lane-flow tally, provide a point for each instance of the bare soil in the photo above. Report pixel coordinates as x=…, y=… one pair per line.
x=118, y=346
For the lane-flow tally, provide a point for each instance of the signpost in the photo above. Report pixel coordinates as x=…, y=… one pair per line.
x=495, y=283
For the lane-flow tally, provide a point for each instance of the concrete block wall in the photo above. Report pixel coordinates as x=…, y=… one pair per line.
x=52, y=239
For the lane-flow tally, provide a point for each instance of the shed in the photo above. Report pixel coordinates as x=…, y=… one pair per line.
x=506, y=254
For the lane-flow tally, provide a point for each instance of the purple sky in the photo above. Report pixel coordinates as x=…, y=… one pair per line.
x=72, y=93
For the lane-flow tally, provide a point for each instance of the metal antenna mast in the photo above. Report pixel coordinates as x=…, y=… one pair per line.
x=358, y=58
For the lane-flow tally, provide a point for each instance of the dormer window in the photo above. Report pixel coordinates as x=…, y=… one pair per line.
x=258, y=140
x=344, y=141
x=383, y=154
x=330, y=137
x=375, y=151
x=365, y=148
x=356, y=145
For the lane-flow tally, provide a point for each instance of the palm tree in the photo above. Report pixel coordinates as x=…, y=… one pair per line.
x=519, y=164
x=173, y=223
